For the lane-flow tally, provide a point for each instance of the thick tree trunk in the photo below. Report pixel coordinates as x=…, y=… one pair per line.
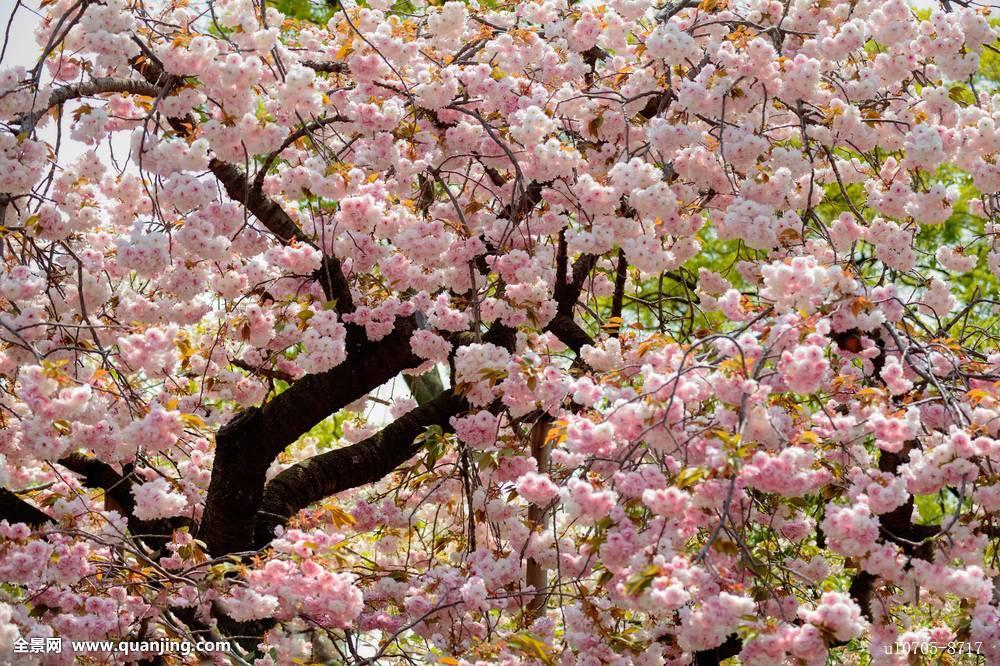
x=246, y=446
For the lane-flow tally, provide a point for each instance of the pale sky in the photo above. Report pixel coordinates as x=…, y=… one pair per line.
x=21, y=48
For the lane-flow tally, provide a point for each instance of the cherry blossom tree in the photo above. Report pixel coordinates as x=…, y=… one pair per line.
x=543, y=332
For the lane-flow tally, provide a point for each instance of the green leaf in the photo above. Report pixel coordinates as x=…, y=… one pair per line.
x=640, y=581
x=532, y=646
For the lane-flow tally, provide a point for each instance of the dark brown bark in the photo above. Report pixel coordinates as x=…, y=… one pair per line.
x=118, y=497
x=341, y=469
x=897, y=525
x=730, y=648
x=655, y=105
x=365, y=462
x=327, y=67
x=862, y=590
x=13, y=509
x=517, y=210
x=98, y=474
x=569, y=332
x=267, y=211
x=96, y=86
x=246, y=446
x=566, y=294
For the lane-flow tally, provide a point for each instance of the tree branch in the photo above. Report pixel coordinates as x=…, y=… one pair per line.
x=247, y=445
x=96, y=86
x=566, y=294
x=536, y=575
x=13, y=509
x=118, y=497
x=262, y=371
x=730, y=648
x=98, y=474
x=327, y=67
x=341, y=469
x=303, y=131
x=264, y=209
x=671, y=9
x=365, y=462
x=571, y=334
x=237, y=186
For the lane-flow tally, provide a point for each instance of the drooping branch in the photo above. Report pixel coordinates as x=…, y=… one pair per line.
x=304, y=131
x=239, y=188
x=896, y=525
x=341, y=469
x=247, y=445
